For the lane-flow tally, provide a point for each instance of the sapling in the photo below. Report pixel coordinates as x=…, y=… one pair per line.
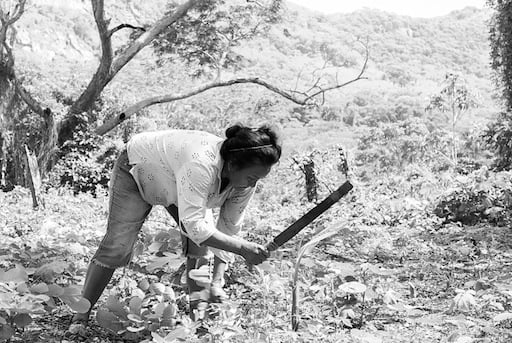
x=305, y=249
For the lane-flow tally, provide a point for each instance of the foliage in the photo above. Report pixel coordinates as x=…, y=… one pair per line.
x=456, y=41
x=398, y=76
x=393, y=145
x=305, y=249
x=454, y=97
x=479, y=196
x=85, y=163
x=20, y=303
x=206, y=37
x=371, y=109
x=388, y=264
x=499, y=137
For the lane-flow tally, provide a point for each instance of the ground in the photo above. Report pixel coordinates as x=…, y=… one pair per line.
x=440, y=282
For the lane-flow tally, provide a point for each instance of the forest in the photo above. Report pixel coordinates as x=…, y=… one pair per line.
x=414, y=112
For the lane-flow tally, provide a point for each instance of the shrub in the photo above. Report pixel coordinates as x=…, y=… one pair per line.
x=499, y=137
x=480, y=196
x=85, y=163
x=392, y=145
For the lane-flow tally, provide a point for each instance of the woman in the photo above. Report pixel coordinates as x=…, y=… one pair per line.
x=188, y=172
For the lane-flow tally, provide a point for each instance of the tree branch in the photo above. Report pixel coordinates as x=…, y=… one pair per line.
x=306, y=99
x=340, y=85
x=27, y=98
x=109, y=67
x=109, y=125
x=149, y=35
x=101, y=76
x=18, y=11
x=7, y=20
x=123, y=26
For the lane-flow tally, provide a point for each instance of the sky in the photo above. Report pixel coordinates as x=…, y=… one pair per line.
x=413, y=8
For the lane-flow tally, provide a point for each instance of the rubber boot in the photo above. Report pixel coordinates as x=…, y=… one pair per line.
x=96, y=279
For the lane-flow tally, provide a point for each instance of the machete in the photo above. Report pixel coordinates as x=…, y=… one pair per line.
x=311, y=215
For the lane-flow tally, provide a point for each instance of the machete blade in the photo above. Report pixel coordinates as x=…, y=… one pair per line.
x=292, y=230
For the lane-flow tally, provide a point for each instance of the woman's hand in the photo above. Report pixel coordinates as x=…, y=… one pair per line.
x=254, y=253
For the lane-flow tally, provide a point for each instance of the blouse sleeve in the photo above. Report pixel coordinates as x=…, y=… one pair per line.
x=193, y=182
x=231, y=216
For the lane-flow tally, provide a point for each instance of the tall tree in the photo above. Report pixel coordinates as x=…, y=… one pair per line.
x=499, y=133
x=500, y=34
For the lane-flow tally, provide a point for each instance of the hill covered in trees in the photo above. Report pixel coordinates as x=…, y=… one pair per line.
x=58, y=41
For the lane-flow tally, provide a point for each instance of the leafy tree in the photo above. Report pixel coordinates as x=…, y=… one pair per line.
x=454, y=98
x=500, y=33
x=391, y=146
x=398, y=76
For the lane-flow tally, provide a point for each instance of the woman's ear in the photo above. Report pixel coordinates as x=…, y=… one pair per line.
x=231, y=167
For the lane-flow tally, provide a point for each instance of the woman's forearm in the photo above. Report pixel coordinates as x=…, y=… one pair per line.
x=225, y=242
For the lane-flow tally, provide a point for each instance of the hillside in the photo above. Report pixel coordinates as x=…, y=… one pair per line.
x=57, y=46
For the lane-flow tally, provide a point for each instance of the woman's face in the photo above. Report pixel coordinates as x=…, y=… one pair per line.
x=247, y=176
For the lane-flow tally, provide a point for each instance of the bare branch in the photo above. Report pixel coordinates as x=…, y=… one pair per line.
x=340, y=85
x=107, y=126
x=123, y=26
x=315, y=85
x=18, y=11
x=297, y=80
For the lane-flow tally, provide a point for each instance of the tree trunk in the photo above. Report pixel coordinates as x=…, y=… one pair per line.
x=33, y=177
x=48, y=148
x=2, y=162
x=110, y=66
x=311, y=181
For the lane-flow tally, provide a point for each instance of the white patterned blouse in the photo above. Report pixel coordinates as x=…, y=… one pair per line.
x=183, y=167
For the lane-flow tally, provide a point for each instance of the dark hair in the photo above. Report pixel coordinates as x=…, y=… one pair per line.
x=246, y=146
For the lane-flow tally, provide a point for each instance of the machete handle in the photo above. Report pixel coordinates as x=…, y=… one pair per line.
x=271, y=246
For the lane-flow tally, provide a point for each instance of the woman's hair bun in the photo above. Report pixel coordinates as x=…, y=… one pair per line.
x=271, y=132
x=232, y=131
x=245, y=145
